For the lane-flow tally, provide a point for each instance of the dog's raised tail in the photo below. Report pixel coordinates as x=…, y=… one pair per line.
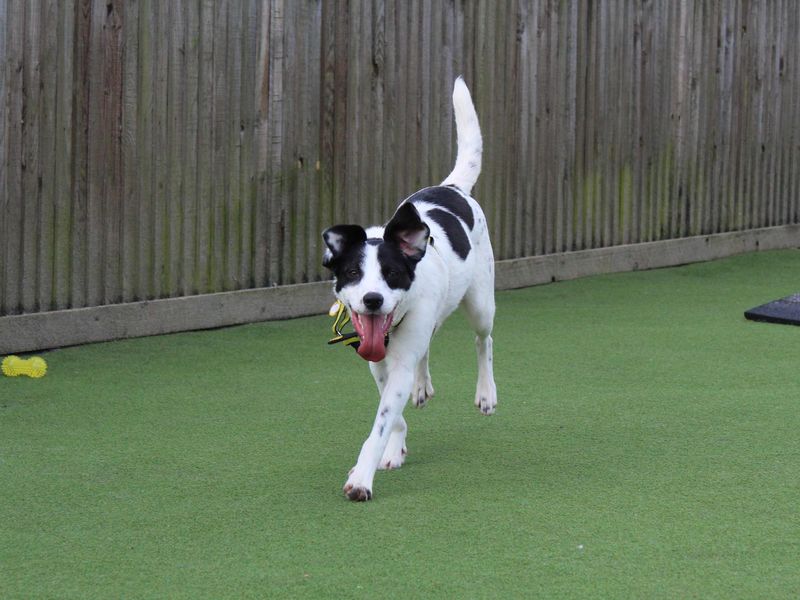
x=470, y=144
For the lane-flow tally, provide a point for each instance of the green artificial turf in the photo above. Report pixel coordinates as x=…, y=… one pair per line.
x=646, y=445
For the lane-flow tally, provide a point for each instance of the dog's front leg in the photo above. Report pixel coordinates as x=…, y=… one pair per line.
x=395, y=453
x=388, y=421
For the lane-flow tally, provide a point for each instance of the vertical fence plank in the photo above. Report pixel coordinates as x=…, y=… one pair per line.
x=99, y=131
x=130, y=153
x=773, y=152
x=606, y=150
x=4, y=159
x=31, y=170
x=406, y=113
x=581, y=115
x=592, y=217
x=189, y=157
x=679, y=117
x=540, y=149
x=144, y=136
x=510, y=106
x=349, y=89
x=376, y=56
x=792, y=91
x=160, y=273
x=295, y=209
x=290, y=212
x=424, y=84
x=261, y=151
x=782, y=109
x=112, y=115
x=338, y=80
x=46, y=115
x=219, y=128
x=312, y=95
x=569, y=124
x=660, y=119
x=556, y=108
x=523, y=85
x=390, y=90
x=643, y=122
x=707, y=121
x=694, y=185
x=205, y=148
x=232, y=149
x=742, y=120
x=247, y=119
x=175, y=124
x=276, y=50
x=11, y=245
x=79, y=245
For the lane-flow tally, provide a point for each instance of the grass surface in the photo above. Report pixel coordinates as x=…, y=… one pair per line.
x=646, y=445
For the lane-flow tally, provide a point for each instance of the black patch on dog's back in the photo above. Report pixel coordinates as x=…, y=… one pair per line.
x=453, y=230
x=449, y=199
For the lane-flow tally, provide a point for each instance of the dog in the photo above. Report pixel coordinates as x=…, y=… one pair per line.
x=401, y=281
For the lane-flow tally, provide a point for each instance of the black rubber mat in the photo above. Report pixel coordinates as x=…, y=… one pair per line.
x=786, y=310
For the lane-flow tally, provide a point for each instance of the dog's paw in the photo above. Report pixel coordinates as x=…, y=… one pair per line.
x=357, y=494
x=422, y=392
x=393, y=458
x=486, y=399
x=356, y=490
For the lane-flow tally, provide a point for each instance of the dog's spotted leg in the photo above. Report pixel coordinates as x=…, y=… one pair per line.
x=379, y=374
x=423, y=388
x=388, y=421
x=486, y=392
x=395, y=454
x=479, y=306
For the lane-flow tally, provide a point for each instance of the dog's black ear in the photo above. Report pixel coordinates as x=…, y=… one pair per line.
x=407, y=230
x=338, y=239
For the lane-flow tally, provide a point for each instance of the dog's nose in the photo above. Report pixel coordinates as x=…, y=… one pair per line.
x=373, y=301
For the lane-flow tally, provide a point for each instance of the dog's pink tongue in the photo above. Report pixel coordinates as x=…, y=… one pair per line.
x=373, y=341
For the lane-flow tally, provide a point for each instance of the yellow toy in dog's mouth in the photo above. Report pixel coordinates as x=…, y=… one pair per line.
x=341, y=318
x=371, y=334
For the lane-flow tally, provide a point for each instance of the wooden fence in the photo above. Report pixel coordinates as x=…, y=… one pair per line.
x=152, y=149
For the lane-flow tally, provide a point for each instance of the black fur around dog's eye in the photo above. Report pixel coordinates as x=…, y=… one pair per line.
x=397, y=269
x=348, y=269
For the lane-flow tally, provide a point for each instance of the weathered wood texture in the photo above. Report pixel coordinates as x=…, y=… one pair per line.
x=158, y=149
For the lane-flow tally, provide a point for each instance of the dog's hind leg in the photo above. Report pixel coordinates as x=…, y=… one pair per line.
x=423, y=388
x=395, y=453
x=478, y=304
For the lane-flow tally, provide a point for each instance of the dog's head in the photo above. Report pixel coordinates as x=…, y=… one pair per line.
x=374, y=271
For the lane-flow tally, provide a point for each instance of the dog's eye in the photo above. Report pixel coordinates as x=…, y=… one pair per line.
x=352, y=272
x=391, y=273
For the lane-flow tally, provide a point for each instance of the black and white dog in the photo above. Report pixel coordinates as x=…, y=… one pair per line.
x=401, y=281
